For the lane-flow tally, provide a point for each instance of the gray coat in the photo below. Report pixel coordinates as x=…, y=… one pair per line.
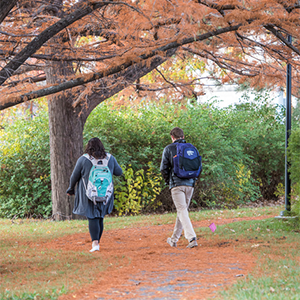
x=82, y=205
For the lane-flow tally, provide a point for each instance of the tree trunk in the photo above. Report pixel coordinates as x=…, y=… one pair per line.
x=66, y=143
x=66, y=126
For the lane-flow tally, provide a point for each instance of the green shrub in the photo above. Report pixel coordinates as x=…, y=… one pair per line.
x=230, y=141
x=135, y=137
x=25, y=167
x=294, y=158
x=242, y=148
x=138, y=191
x=208, y=127
x=258, y=127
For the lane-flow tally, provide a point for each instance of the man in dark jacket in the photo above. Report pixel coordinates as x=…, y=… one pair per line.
x=181, y=191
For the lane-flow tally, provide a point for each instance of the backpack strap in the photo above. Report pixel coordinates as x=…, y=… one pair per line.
x=94, y=161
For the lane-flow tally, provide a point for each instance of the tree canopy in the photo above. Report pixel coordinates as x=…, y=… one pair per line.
x=78, y=53
x=104, y=39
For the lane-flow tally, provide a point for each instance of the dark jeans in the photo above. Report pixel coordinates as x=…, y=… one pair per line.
x=96, y=228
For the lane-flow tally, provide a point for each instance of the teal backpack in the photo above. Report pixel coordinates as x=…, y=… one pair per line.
x=100, y=184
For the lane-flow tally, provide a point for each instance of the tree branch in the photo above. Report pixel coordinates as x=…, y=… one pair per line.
x=128, y=77
x=272, y=29
x=44, y=36
x=113, y=70
x=5, y=7
x=166, y=80
x=223, y=65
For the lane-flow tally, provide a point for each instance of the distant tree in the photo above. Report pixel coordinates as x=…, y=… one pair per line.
x=79, y=53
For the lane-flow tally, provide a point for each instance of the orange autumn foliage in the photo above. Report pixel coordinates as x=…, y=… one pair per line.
x=246, y=38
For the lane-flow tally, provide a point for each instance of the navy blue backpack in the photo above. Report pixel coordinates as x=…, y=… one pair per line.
x=187, y=161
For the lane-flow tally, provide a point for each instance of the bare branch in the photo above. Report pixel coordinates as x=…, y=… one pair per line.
x=165, y=79
x=39, y=78
x=44, y=36
x=5, y=7
x=272, y=29
x=16, y=35
x=113, y=70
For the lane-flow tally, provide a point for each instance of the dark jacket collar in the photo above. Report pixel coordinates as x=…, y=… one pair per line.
x=180, y=141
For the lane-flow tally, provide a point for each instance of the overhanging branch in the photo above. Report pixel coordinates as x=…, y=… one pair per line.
x=43, y=37
x=114, y=70
x=272, y=29
x=5, y=7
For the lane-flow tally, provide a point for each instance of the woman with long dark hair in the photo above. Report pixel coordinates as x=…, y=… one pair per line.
x=94, y=211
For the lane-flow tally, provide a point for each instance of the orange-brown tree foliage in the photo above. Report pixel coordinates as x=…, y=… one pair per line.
x=79, y=53
x=101, y=39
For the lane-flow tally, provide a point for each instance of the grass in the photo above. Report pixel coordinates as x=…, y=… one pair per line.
x=48, y=273
x=276, y=244
x=33, y=272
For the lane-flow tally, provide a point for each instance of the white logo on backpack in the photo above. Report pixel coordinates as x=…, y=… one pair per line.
x=100, y=184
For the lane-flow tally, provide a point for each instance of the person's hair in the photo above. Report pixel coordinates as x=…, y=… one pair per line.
x=95, y=148
x=177, y=133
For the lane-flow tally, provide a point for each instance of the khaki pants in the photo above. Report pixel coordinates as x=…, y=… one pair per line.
x=182, y=196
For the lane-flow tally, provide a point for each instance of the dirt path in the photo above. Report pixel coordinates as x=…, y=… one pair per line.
x=143, y=266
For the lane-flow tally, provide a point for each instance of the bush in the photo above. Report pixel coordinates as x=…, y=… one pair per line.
x=230, y=141
x=242, y=149
x=261, y=132
x=25, y=189
x=135, y=137
x=294, y=158
x=137, y=193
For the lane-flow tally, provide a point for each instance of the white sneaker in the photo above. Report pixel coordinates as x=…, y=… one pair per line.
x=172, y=244
x=192, y=243
x=95, y=248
